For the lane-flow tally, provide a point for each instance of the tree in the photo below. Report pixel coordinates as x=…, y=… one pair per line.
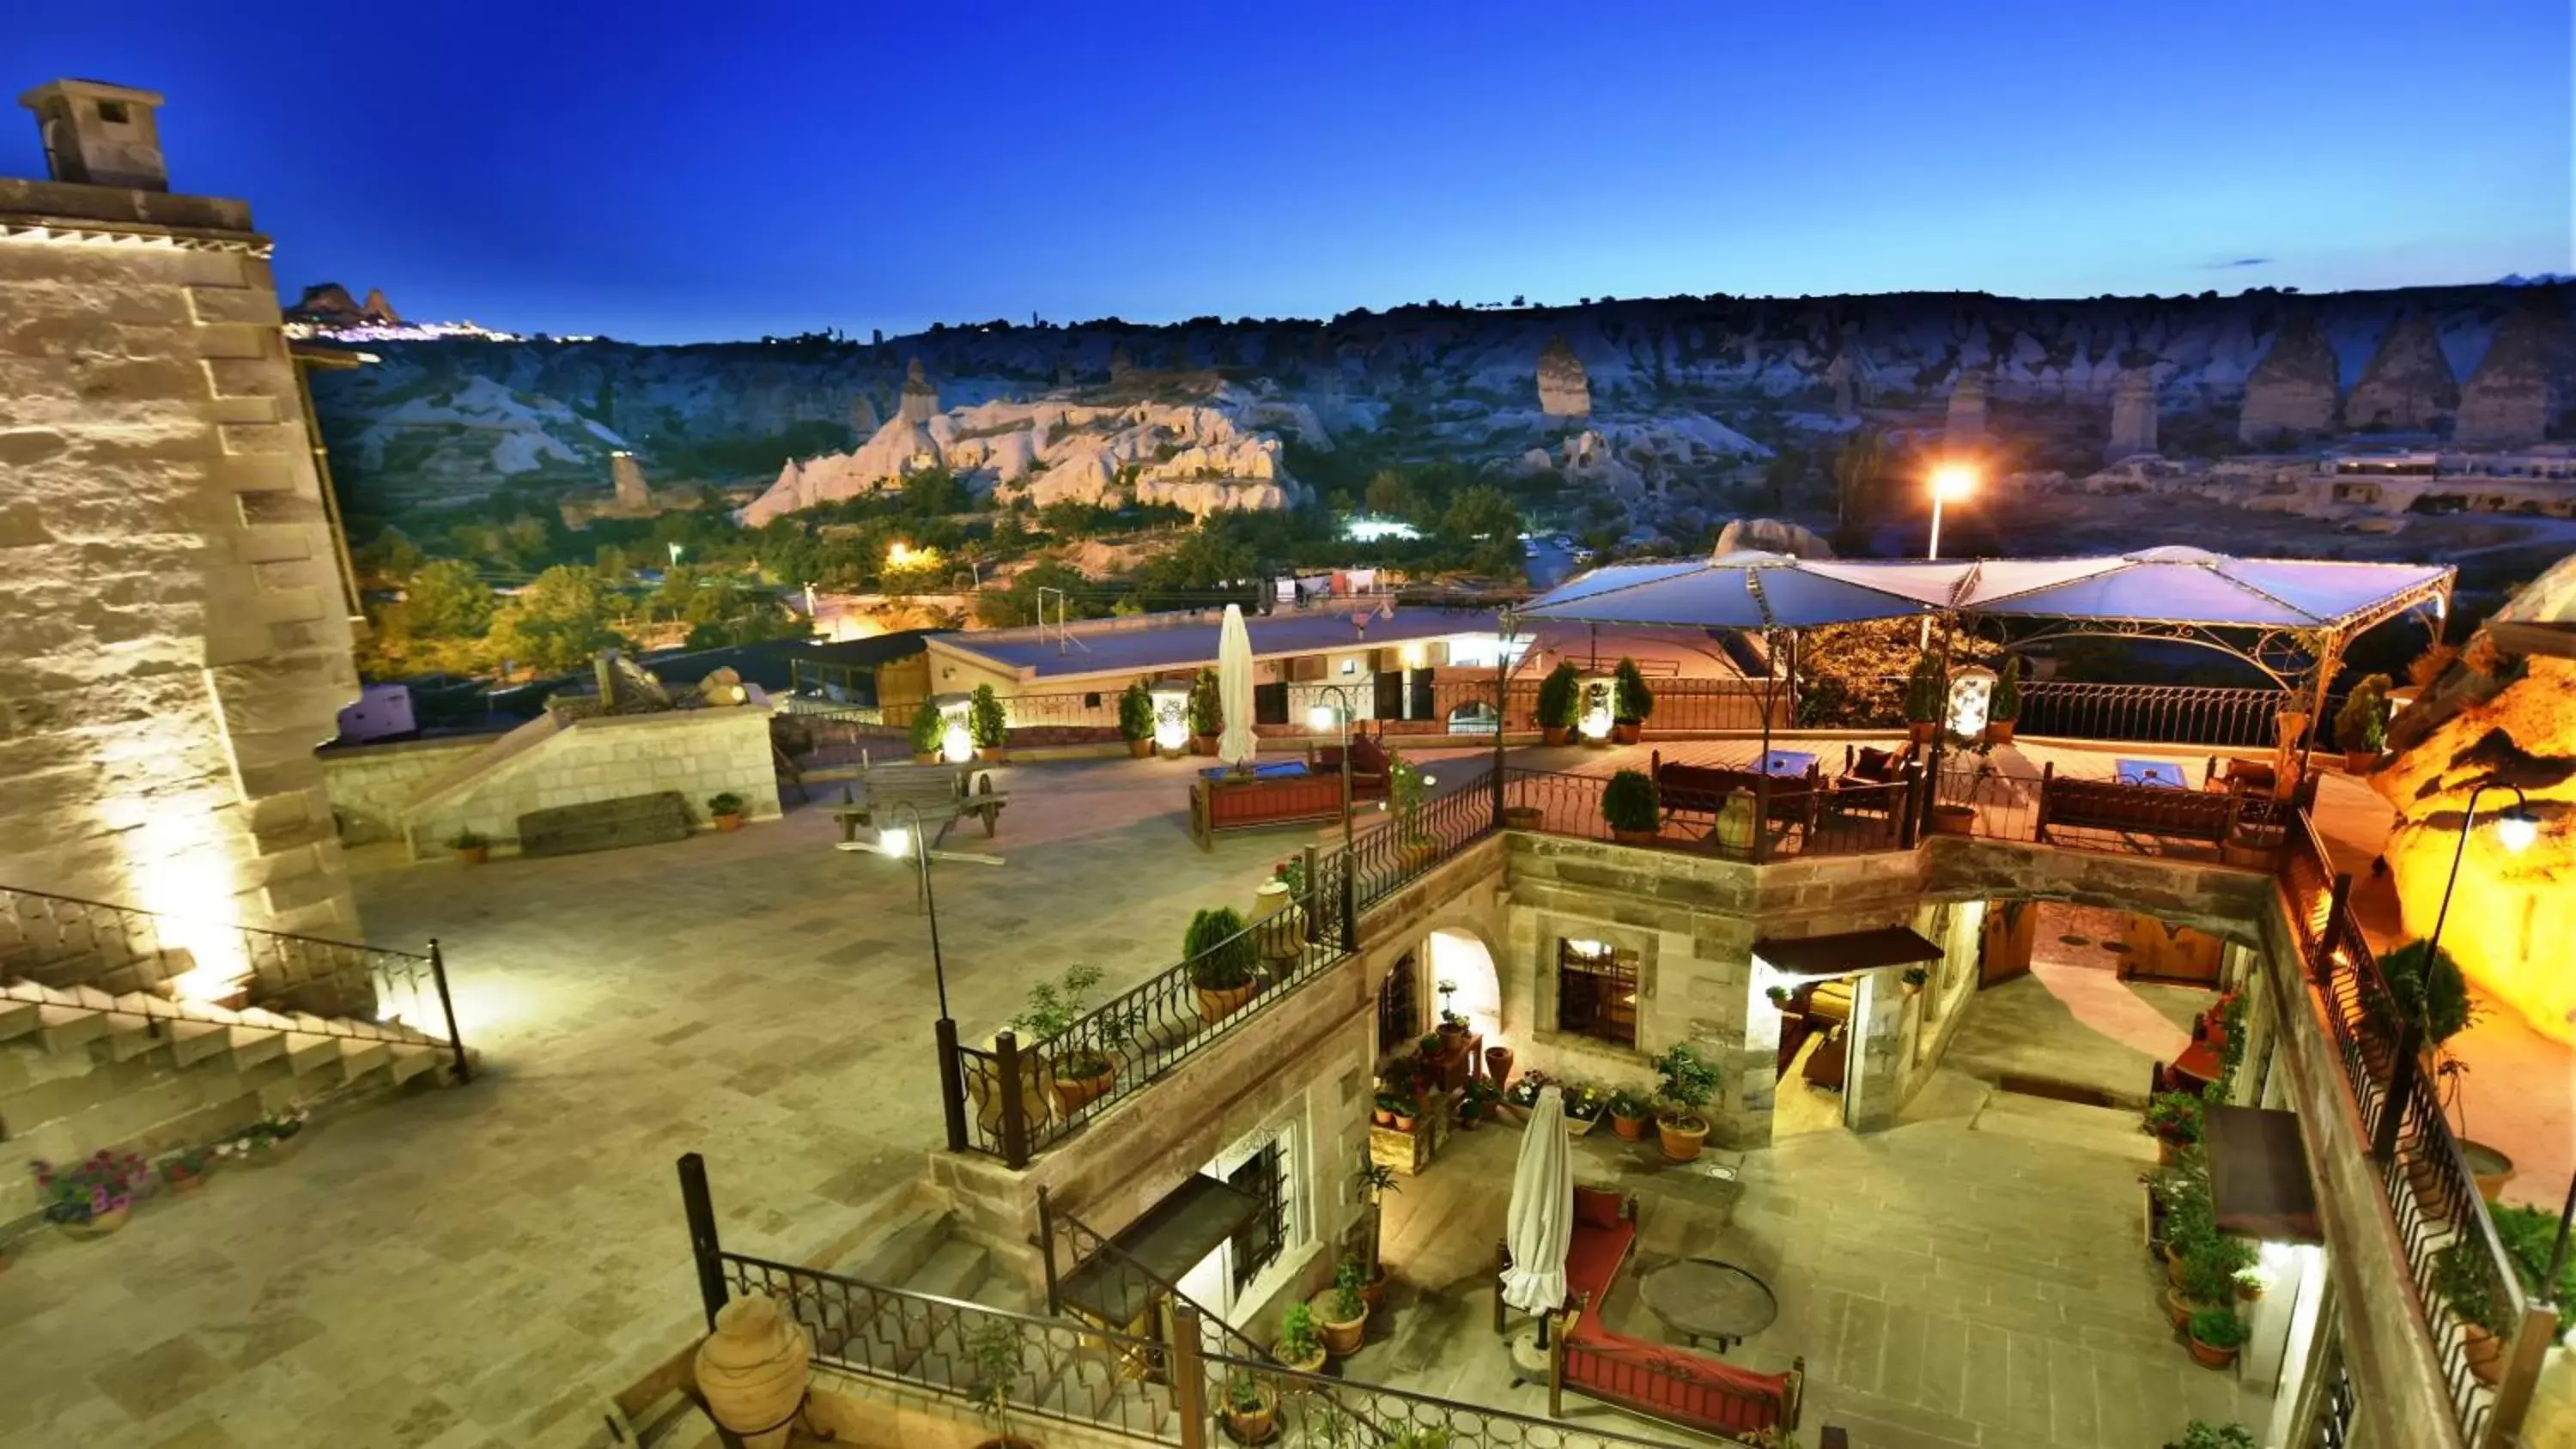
x=1781, y=474
x=1482, y=522
x=557, y=622
x=1857, y=466
x=1390, y=496
x=1018, y=604
x=933, y=492
x=447, y=600
x=392, y=557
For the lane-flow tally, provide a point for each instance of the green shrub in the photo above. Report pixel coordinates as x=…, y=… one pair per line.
x=2174, y=1116
x=2202, y=1434
x=1136, y=712
x=1219, y=953
x=1297, y=1341
x=2428, y=990
x=1349, y=1276
x=1207, y=705
x=2219, y=1328
x=2529, y=1236
x=2362, y=723
x=1926, y=688
x=2005, y=706
x=2465, y=1279
x=726, y=803
x=985, y=718
x=1629, y=802
x=1689, y=1081
x=926, y=729
x=2210, y=1266
x=1635, y=702
x=1560, y=697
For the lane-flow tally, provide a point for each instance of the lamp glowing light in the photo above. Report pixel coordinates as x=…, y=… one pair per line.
x=898, y=554
x=895, y=840
x=2516, y=829
x=1320, y=718
x=956, y=742
x=1953, y=481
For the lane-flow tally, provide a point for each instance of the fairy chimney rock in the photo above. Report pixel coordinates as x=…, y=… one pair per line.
x=2133, y=416
x=2292, y=392
x=920, y=399
x=1838, y=376
x=2408, y=384
x=1563, y=389
x=628, y=476
x=863, y=417
x=2509, y=402
x=1967, y=421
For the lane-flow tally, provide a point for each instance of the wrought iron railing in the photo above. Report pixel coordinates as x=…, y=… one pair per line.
x=2173, y=714
x=1403, y=850
x=1160, y=1298
x=1342, y=1413
x=64, y=942
x=1800, y=822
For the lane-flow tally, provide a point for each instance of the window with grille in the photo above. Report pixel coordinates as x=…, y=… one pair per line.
x=1596, y=990
x=1257, y=1244
x=1399, y=1008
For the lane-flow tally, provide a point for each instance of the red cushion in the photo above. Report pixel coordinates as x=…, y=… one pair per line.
x=1592, y=1259
x=1672, y=1382
x=1596, y=1207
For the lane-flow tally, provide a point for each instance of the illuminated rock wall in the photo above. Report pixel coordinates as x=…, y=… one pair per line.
x=2511, y=915
x=173, y=639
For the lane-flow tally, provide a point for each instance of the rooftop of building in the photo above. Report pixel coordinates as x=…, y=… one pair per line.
x=1181, y=640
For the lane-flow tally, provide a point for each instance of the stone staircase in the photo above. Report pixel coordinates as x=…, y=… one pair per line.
x=2111, y=1131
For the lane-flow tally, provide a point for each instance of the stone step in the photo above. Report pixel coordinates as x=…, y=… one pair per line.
x=16, y=1017
x=404, y=1060
x=357, y=1058
x=251, y=1045
x=193, y=1041
x=310, y=1051
x=955, y=1270
x=2112, y=1131
x=68, y=1028
x=897, y=1252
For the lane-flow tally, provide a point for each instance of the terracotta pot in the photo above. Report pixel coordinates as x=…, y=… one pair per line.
x=2000, y=731
x=1523, y=817
x=1254, y=1426
x=993, y=754
x=1313, y=1365
x=727, y=824
x=1554, y=734
x=1578, y=1126
x=1630, y=1129
x=184, y=1183
x=753, y=1370
x=2166, y=1151
x=2208, y=1357
x=274, y=1150
x=1633, y=837
x=1139, y=749
x=2490, y=1169
x=1920, y=731
x=1498, y=1066
x=1626, y=731
x=925, y=757
x=1343, y=1338
x=1373, y=1292
x=1072, y=1094
x=98, y=1225
x=2359, y=762
x=473, y=854
x=1954, y=820
x=1380, y=1117
x=1203, y=744
x=1451, y=1033
x=1216, y=1006
x=1403, y=1122
x=2176, y=1310
x=2173, y=1269
x=2484, y=1353
x=1681, y=1144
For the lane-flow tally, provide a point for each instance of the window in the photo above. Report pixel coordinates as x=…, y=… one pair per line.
x=1255, y=1245
x=112, y=112
x=1596, y=990
x=1399, y=1008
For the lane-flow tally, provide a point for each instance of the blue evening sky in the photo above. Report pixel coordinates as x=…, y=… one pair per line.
x=727, y=168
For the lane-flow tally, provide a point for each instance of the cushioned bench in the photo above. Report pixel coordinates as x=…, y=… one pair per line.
x=1371, y=770
x=2135, y=809
x=1702, y=790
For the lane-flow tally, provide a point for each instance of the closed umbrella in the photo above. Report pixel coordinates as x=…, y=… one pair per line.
x=1234, y=690
x=1542, y=1213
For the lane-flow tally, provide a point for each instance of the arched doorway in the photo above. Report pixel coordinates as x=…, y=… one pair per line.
x=1459, y=961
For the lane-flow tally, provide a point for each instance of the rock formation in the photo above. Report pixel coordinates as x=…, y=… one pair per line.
x=920, y=400
x=1967, y=420
x=2133, y=417
x=1838, y=376
x=1121, y=364
x=1770, y=535
x=1563, y=389
x=2509, y=402
x=2408, y=384
x=376, y=309
x=2511, y=913
x=2292, y=392
x=863, y=415
x=628, y=477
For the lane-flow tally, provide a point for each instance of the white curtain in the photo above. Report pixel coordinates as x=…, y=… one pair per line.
x=1542, y=1216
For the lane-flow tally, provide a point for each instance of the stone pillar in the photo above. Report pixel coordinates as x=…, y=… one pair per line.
x=1874, y=1085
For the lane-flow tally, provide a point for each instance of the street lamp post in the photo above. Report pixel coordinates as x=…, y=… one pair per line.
x=1949, y=481
x=896, y=842
x=2514, y=830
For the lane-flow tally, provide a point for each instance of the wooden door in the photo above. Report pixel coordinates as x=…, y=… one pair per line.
x=2176, y=954
x=2005, y=942
x=1390, y=695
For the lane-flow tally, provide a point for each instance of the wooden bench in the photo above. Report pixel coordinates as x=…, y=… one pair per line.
x=940, y=793
x=2159, y=810
x=1226, y=804
x=1702, y=790
x=1372, y=773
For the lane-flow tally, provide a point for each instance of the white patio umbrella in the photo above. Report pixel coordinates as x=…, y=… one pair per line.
x=1541, y=1224
x=1234, y=689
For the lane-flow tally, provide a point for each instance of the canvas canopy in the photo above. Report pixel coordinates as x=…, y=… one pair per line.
x=1727, y=591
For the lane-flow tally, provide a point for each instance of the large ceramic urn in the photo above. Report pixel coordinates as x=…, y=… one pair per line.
x=753, y=1371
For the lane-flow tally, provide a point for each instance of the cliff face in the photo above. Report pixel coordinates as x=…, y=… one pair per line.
x=441, y=421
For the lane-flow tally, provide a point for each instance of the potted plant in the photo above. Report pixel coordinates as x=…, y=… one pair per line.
x=926, y=730
x=2465, y=1279
x=1632, y=807
x=993, y=1351
x=2361, y=726
x=1407, y=788
x=2202, y=1434
x=1220, y=958
x=1382, y=1113
x=1583, y=1104
x=1498, y=1066
x=1635, y=703
x=1083, y=1072
x=1341, y=1314
x=725, y=808
x=1560, y=702
x=185, y=1170
x=1136, y=718
x=270, y=1140
x=1925, y=686
x=1375, y=1180
x=990, y=725
x=1782, y=998
x=1298, y=1347
x=1629, y=1113
x=2003, y=707
x=1483, y=1103
x=471, y=846
x=1954, y=820
x=1522, y=1094
x=90, y=1198
x=1207, y=713
x=1914, y=977
x=1688, y=1083
x=2216, y=1334
x=2173, y=1119
x=1251, y=1408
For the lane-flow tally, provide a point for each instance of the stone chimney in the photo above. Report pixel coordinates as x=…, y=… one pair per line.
x=99, y=135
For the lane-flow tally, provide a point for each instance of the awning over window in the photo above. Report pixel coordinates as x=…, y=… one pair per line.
x=1168, y=1241
x=2258, y=1175
x=1846, y=951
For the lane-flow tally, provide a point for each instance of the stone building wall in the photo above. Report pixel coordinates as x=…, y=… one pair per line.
x=175, y=637
x=697, y=752
x=370, y=785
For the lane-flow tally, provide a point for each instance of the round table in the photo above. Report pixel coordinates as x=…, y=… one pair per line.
x=1705, y=1298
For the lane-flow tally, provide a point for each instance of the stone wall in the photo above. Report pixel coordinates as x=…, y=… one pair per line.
x=697, y=752
x=370, y=785
x=169, y=595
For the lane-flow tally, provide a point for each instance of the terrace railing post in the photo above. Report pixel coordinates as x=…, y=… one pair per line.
x=952, y=1084
x=1314, y=901
x=463, y=1069
x=2336, y=902
x=1046, y=1248
x=703, y=1246
x=1189, y=1377
x=1350, y=901
x=2522, y=1366
x=1015, y=1107
x=2404, y=1078
x=1762, y=816
x=1909, y=815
